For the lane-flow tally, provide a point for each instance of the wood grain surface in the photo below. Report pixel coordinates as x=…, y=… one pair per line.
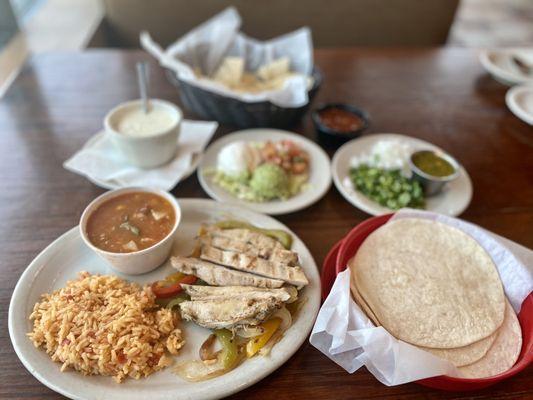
x=439, y=95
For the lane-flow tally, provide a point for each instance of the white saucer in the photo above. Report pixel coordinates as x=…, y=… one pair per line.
x=453, y=200
x=519, y=99
x=112, y=185
x=319, y=177
x=500, y=65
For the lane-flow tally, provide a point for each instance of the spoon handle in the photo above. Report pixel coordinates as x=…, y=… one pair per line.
x=142, y=76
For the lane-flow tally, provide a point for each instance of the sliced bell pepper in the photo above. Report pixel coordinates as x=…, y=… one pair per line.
x=255, y=344
x=230, y=352
x=176, y=301
x=281, y=236
x=172, y=285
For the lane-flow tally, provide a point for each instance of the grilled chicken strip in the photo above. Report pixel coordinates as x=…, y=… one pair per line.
x=286, y=294
x=276, y=254
x=256, y=239
x=230, y=313
x=244, y=262
x=220, y=276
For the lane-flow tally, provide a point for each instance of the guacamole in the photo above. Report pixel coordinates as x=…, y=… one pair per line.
x=270, y=181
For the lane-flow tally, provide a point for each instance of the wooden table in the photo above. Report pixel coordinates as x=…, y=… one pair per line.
x=439, y=95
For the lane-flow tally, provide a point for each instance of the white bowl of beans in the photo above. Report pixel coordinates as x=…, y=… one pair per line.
x=132, y=228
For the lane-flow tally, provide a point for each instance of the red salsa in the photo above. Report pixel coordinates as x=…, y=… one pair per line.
x=341, y=120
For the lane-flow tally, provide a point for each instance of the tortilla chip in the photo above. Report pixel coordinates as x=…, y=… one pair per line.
x=278, y=67
x=230, y=71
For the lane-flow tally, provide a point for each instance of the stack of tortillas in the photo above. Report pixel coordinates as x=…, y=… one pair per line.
x=433, y=286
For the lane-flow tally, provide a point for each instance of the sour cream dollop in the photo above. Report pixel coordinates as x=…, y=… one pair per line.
x=237, y=158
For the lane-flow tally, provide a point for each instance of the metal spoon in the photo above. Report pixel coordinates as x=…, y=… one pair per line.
x=143, y=78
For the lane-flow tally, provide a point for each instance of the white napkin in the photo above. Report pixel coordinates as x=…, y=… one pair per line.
x=344, y=333
x=101, y=161
x=205, y=46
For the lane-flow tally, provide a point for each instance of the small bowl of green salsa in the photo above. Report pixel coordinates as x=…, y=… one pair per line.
x=433, y=169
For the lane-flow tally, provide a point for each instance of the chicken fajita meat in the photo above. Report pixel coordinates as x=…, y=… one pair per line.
x=287, y=294
x=230, y=313
x=256, y=265
x=276, y=254
x=218, y=275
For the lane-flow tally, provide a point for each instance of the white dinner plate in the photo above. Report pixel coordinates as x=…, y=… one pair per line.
x=112, y=186
x=65, y=257
x=319, y=176
x=519, y=99
x=500, y=65
x=453, y=200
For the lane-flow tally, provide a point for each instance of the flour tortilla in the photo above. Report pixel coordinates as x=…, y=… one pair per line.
x=458, y=356
x=362, y=304
x=465, y=355
x=503, y=353
x=429, y=284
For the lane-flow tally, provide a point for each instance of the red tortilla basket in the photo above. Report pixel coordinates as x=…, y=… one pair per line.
x=344, y=250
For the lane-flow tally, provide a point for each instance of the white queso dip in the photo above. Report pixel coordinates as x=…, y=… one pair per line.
x=135, y=122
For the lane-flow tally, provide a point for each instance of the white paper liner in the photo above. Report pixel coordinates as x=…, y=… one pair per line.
x=205, y=46
x=344, y=333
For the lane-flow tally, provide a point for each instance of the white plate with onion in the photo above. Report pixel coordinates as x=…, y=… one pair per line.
x=62, y=260
x=452, y=200
x=318, y=183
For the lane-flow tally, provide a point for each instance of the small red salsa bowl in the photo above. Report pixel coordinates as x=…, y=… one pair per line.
x=337, y=123
x=336, y=262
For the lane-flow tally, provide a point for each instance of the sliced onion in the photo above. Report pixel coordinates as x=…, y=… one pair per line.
x=249, y=331
x=206, y=350
x=286, y=318
x=293, y=293
x=196, y=370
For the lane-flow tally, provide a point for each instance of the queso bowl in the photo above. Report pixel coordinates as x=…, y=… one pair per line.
x=145, y=151
x=346, y=249
x=137, y=262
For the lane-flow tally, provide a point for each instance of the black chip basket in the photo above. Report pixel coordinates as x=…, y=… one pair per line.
x=229, y=111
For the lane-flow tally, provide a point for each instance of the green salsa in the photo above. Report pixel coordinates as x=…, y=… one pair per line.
x=432, y=164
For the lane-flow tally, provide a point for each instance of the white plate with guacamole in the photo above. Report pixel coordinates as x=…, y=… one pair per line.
x=233, y=170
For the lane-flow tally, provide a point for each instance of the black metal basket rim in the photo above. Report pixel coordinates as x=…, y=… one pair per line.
x=174, y=80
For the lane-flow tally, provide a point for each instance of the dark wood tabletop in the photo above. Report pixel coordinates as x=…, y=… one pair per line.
x=440, y=95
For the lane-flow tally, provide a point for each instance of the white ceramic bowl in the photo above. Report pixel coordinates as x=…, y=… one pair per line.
x=137, y=262
x=145, y=151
